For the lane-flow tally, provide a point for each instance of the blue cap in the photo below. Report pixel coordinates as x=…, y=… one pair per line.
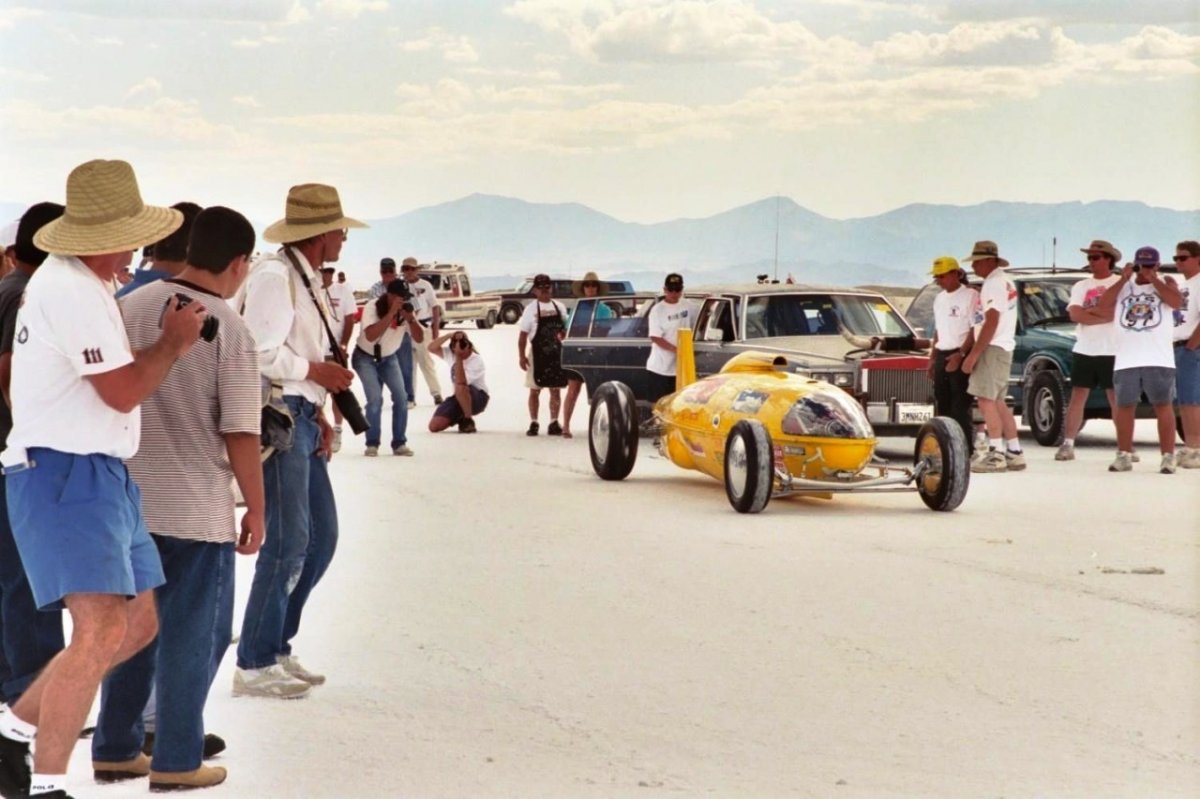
x=1146, y=256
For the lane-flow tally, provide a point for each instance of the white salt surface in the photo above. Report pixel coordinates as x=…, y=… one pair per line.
x=498, y=622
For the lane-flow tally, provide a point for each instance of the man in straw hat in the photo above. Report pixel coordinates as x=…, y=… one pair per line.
x=1095, y=345
x=287, y=315
x=990, y=359
x=76, y=513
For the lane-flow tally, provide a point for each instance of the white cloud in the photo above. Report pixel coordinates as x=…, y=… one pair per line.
x=146, y=86
x=454, y=48
x=220, y=10
x=177, y=123
x=112, y=41
x=509, y=72
x=1009, y=42
x=246, y=101
x=246, y=42
x=350, y=8
x=1062, y=12
x=22, y=76
x=11, y=16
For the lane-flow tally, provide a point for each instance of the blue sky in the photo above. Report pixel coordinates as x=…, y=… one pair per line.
x=643, y=109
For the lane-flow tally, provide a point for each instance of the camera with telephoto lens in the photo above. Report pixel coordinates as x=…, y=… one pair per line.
x=208, y=330
x=398, y=287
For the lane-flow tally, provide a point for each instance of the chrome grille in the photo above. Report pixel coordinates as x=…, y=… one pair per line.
x=902, y=385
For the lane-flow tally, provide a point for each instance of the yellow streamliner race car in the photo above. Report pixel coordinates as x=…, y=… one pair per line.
x=767, y=433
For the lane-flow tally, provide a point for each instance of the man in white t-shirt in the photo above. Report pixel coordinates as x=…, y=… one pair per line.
x=990, y=359
x=386, y=323
x=539, y=352
x=666, y=317
x=1187, y=352
x=467, y=375
x=1141, y=301
x=1093, y=353
x=428, y=310
x=75, y=511
x=954, y=311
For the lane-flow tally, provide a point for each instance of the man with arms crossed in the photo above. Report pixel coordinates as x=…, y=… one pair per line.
x=201, y=432
x=75, y=511
x=1187, y=351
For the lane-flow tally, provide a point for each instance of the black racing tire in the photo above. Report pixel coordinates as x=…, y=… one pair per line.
x=942, y=445
x=1045, y=409
x=489, y=321
x=613, y=431
x=749, y=466
x=510, y=313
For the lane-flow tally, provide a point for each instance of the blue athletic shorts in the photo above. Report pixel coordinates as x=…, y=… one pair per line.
x=1187, y=375
x=77, y=521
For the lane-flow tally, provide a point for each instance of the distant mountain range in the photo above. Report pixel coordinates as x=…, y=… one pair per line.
x=503, y=239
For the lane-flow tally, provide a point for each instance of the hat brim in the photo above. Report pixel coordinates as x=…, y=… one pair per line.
x=1116, y=256
x=63, y=236
x=577, y=287
x=283, y=231
x=973, y=258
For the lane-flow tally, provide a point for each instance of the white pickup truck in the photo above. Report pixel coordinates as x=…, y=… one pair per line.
x=459, y=304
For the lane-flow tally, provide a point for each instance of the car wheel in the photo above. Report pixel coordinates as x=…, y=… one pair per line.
x=510, y=314
x=613, y=431
x=749, y=466
x=942, y=451
x=490, y=320
x=1046, y=408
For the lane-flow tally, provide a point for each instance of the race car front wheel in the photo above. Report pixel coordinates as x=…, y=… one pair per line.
x=613, y=431
x=749, y=466
x=941, y=453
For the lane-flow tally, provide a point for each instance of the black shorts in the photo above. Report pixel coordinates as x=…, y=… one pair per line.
x=1092, y=371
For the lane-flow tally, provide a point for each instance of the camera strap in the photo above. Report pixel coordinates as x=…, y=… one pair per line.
x=336, y=348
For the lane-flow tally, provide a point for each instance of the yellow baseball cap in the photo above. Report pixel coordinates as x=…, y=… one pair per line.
x=944, y=265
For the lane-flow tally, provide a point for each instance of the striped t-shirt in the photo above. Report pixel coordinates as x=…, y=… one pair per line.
x=182, y=466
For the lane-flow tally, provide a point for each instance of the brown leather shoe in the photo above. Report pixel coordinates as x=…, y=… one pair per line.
x=105, y=771
x=203, y=777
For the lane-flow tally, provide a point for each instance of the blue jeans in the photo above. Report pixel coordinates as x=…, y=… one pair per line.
x=195, y=621
x=374, y=376
x=29, y=637
x=404, y=357
x=302, y=533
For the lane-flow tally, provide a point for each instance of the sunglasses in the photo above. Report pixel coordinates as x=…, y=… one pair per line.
x=591, y=285
x=1095, y=257
x=1180, y=258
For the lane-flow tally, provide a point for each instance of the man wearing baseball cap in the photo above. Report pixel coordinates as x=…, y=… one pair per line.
x=1141, y=302
x=666, y=317
x=954, y=311
x=75, y=512
x=1092, y=356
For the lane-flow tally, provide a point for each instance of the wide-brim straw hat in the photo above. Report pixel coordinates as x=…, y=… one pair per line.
x=311, y=209
x=985, y=249
x=105, y=214
x=589, y=277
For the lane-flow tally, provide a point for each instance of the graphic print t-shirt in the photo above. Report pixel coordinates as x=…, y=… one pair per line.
x=1188, y=315
x=953, y=314
x=999, y=294
x=665, y=321
x=1093, y=339
x=1145, y=328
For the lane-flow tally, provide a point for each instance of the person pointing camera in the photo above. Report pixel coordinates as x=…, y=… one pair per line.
x=386, y=324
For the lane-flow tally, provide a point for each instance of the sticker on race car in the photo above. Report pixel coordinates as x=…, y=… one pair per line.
x=749, y=401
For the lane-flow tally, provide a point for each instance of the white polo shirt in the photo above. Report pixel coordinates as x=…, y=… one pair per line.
x=68, y=327
x=953, y=314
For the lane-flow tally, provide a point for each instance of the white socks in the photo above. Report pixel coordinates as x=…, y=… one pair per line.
x=14, y=729
x=47, y=783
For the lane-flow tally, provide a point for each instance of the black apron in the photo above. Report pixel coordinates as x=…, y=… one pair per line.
x=547, y=350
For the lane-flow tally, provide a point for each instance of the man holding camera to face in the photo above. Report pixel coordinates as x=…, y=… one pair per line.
x=387, y=322
x=467, y=376
x=290, y=323
x=1141, y=303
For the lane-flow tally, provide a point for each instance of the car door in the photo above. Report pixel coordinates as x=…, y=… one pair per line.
x=612, y=348
x=715, y=333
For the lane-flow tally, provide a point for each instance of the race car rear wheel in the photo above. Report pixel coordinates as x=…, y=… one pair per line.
x=749, y=466
x=613, y=431
x=942, y=449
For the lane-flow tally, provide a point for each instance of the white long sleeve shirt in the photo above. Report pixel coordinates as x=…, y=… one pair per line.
x=288, y=335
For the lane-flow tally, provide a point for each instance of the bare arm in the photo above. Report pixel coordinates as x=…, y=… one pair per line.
x=243, y=451
x=436, y=345
x=1108, y=300
x=1167, y=289
x=522, y=340
x=662, y=342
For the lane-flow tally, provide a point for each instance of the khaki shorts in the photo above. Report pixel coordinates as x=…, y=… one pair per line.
x=990, y=378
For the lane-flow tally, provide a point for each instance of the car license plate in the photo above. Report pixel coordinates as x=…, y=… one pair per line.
x=912, y=413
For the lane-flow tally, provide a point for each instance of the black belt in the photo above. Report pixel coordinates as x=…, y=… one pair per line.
x=1181, y=343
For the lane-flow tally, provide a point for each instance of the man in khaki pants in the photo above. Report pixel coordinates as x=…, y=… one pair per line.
x=990, y=360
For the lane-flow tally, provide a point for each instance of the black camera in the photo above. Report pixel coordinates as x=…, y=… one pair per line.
x=208, y=330
x=398, y=287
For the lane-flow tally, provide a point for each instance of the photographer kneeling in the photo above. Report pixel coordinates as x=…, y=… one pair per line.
x=386, y=323
x=467, y=376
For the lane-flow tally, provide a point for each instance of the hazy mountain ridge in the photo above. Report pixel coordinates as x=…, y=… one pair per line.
x=503, y=239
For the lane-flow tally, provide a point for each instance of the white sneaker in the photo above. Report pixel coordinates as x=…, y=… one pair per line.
x=1066, y=452
x=1014, y=460
x=1189, y=459
x=271, y=681
x=403, y=449
x=992, y=461
x=1168, y=463
x=1123, y=463
x=291, y=664
x=337, y=438
x=412, y=404
x=371, y=452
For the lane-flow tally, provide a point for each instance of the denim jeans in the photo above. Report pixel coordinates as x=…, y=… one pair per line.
x=404, y=357
x=29, y=638
x=195, y=622
x=302, y=533
x=374, y=376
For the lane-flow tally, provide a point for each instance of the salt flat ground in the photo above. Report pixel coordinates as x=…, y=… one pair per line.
x=499, y=622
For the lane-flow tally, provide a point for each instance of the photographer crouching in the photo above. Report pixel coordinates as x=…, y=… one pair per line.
x=386, y=323
x=467, y=376
x=290, y=323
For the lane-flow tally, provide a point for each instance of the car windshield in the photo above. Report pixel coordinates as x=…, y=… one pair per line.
x=525, y=287
x=822, y=315
x=434, y=279
x=1044, y=302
